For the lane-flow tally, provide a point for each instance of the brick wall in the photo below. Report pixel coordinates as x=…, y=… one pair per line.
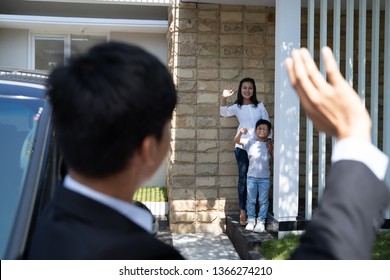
x=212, y=46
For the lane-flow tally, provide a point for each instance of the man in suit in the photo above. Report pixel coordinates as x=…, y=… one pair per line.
x=111, y=111
x=355, y=198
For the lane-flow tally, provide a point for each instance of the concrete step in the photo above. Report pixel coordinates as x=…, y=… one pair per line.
x=157, y=208
x=246, y=243
x=163, y=233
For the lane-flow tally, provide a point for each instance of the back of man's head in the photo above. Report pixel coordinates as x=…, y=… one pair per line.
x=105, y=103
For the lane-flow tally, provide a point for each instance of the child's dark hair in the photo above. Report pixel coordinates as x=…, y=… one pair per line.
x=262, y=121
x=239, y=101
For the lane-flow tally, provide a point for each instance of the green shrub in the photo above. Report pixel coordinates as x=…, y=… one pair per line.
x=281, y=249
x=381, y=250
x=151, y=194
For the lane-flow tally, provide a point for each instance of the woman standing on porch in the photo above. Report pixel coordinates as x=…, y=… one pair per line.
x=248, y=111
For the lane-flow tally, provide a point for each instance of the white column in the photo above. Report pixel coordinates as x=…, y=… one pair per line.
x=362, y=49
x=375, y=47
x=309, y=123
x=286, y=162
x=322, y=135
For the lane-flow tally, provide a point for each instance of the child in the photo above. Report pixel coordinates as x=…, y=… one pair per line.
x=258, y=178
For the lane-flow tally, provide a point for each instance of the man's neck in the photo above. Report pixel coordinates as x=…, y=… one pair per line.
x=118, y=186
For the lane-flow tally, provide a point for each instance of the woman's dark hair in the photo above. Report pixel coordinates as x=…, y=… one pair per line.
x=239, y=101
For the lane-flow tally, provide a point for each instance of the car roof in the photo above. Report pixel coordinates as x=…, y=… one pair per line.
x=24, y=75
x=22, y=82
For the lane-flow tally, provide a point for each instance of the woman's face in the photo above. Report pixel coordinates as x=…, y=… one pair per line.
x=247, y=91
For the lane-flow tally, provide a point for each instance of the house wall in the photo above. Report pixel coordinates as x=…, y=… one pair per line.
x=208, y=46
x=212, y=46
x=154, y=43
x=14, y=48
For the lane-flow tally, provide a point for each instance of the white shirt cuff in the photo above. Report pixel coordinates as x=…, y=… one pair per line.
x=363, y=151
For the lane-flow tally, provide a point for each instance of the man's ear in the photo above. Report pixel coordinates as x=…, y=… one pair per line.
x=143, y=162
x=148, y=150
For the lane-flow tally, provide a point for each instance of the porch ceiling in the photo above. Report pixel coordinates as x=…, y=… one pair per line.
x=272, y=2
x=121, y=2
x=77, y=25
x=236, y=2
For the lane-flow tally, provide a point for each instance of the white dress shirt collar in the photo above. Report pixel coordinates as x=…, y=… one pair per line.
x=363, y=151
x=134, y=213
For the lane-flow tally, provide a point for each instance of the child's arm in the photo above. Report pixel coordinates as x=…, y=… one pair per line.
x=237, y=138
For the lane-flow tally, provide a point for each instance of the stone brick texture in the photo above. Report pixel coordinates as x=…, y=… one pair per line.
x=212, y=46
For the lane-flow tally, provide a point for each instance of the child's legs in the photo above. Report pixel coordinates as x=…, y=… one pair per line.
x=264, y=185
x=252, y=186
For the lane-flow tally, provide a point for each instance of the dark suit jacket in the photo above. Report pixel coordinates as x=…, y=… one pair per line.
x=350, y=211
x=76, y=227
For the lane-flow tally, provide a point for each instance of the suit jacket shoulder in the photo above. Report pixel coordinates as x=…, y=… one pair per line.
x=77, y=227
x=350, y=212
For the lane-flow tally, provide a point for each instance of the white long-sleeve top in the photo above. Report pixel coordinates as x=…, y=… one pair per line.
x=247, y=116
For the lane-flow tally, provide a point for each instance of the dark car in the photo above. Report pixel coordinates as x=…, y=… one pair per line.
x=29, y=160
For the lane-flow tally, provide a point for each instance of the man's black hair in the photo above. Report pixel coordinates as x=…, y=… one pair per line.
x=105, y=102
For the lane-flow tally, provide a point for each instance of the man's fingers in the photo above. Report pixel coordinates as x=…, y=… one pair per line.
x=290, y=65
x=304, y=86
x=332, y=70
x=333, y=105
x=315, y=76
x=302, y=70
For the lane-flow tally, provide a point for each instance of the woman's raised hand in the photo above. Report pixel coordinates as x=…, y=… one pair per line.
x=228, y=91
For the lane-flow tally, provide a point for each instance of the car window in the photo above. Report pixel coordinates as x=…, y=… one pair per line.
x=18, y=121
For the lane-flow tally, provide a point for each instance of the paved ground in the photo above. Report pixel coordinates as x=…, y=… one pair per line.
x=204, y=246
x=198, y=246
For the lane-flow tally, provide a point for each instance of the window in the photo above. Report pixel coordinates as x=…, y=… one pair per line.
x=50, y=51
